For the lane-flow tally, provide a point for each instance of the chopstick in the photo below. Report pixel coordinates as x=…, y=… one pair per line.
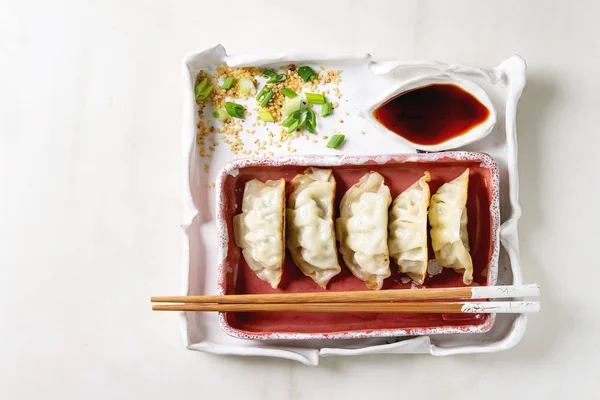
x=503, y=307
x=478, y=292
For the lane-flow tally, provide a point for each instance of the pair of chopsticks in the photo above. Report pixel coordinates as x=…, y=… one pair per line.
x=383, y=301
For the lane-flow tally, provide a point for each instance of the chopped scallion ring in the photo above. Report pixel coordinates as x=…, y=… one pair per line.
x=220, y=114
x=200, y=86
x=326, y=109
x=228, y=83
x=292, y=105
x=246, y=86
x=295, y=125
x=288, y=121
x=335, y=141
x=262, y=93
x=306, y=73
x=266, y=98
x=265, y=116
x=315, y=98
x=287, y=92
x=311, y=120
x=273, y=77
x=234, y=109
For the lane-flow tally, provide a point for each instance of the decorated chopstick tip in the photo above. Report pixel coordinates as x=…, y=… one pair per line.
x=505, y=291
x=501, y=307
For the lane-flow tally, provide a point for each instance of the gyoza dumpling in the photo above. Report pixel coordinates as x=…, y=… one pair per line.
x=363, y=227
x=448, y=219
x=260, y=229
x=408, y=230
x=310, y=233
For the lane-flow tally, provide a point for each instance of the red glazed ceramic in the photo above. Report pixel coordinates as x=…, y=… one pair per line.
x=399, y=171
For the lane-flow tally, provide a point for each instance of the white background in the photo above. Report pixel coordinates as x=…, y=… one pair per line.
x=90, y=116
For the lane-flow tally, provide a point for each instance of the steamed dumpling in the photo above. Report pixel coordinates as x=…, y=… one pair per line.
x=407, y=240
x=259, y=229
x=310, y=232
x=448, y=219
x=362, y=229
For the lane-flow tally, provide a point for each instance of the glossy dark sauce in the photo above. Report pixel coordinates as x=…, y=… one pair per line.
x=432, y=114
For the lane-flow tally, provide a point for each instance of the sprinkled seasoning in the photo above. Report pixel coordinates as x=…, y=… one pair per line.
x=235, y=132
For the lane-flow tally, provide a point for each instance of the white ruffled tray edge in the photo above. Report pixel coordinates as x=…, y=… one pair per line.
x=514, y=67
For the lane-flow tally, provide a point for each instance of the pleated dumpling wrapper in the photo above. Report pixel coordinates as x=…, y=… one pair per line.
x=362, y=229
x=260, y=229
x=407, y=240
x=310, y=231
x=448, y=219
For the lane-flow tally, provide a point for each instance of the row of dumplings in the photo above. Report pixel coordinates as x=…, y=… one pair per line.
x=368, y=230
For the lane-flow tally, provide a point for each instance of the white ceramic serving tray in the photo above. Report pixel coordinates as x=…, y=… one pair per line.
x=363, y=82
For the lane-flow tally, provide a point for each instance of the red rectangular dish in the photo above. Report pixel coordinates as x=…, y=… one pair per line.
x=399, y=171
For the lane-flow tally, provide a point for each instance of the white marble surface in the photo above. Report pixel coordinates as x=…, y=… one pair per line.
x=90, y=180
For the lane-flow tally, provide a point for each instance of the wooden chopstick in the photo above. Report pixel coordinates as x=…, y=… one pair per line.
x=371, y=307
x=479, y=292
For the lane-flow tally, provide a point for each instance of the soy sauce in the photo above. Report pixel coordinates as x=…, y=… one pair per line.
x=432, y=114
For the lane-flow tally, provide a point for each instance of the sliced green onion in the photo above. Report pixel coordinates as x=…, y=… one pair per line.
x=205, y=93
x=292, y=105
x=295, y=125
x=335, y=141
x=315, y=98
x=306, y=73
x=200, y=86
x=220, y=114
x=269, y=73
x=311, y=120
x=228, y=83
x=287, y=92
x=266, y=99
x=246, y=86
x=291, y=119
x=234, y=109
x=303, y=116
x=265, y=116
x=288, y=121
x=326, y=109
x=262, y=92
x=273, y=77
